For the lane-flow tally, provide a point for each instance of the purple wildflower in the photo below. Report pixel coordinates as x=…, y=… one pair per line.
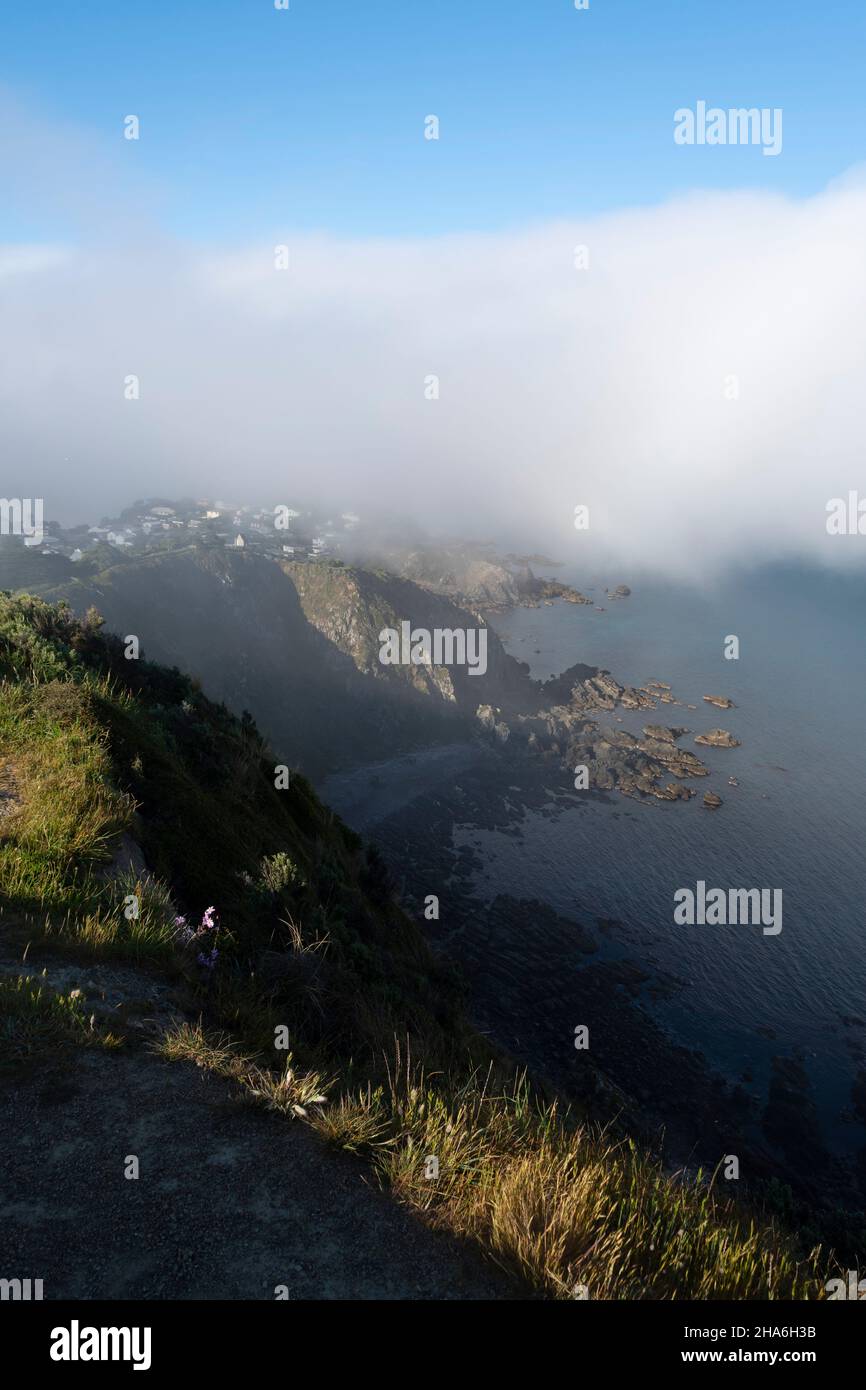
x=207, y=921
x=184, y=931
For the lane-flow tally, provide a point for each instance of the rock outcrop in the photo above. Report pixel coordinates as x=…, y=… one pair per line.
x=662, y=733
x=717, y=738
x=615, y=759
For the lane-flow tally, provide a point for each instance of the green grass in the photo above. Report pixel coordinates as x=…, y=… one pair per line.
x=67, y=812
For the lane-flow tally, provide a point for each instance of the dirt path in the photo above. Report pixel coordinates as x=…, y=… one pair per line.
x=231, y=1202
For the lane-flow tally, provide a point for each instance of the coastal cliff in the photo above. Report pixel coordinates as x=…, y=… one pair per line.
x=260, y=913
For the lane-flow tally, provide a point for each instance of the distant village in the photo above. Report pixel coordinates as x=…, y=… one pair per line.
x=281, y=531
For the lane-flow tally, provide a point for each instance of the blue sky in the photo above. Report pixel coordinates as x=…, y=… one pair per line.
x=312, y=119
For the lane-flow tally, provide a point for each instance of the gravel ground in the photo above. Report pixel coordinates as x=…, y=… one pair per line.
x=231, y=1201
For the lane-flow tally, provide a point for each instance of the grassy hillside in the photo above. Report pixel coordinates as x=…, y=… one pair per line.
x=297, y=644
x=282, y=641
x=140, y=820
x=95, y=747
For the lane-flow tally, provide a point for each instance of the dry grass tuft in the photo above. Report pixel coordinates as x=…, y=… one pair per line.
x=289, y=1092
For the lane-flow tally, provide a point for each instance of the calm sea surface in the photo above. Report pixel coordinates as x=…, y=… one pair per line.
x=797, y=820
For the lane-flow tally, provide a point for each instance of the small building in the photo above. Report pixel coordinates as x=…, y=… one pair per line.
x=239, y=541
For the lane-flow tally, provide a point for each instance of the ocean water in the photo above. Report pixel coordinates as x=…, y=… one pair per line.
x=797, y=820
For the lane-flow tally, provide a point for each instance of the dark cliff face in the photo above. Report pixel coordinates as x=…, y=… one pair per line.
x=298, y=646
x=352, y=607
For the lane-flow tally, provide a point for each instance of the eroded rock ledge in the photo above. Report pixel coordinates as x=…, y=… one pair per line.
x=654, y=766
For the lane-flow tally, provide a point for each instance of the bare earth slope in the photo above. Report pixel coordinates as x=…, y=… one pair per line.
x=231, y=1201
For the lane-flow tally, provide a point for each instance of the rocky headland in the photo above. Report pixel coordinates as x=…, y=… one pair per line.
x=474, y=575
x=298, y=644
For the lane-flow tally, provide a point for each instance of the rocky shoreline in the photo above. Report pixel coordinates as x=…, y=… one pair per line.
x=654, y=767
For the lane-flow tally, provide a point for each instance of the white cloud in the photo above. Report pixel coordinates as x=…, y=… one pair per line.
x=19, y=260
x=558, y=386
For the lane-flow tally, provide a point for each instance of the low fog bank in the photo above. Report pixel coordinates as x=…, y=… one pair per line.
x=691, y=373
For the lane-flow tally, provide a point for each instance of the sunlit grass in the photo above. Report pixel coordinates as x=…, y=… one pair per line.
x=64, y=814
x=288, y=1091
x=561, y=1206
